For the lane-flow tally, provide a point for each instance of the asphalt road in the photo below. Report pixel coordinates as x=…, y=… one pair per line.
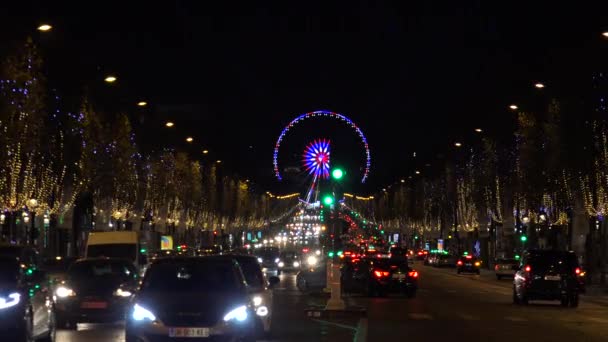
x=448, y=306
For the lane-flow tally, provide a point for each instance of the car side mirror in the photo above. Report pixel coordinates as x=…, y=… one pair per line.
x=273, y=281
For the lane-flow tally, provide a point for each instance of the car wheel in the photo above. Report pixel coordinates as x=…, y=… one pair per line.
x=63, y=322
x=574, y=300
x=498, y=277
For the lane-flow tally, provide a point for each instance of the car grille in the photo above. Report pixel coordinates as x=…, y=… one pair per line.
x=189, y=319
x=162, y=338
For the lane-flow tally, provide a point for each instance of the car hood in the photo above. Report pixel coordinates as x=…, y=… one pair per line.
x=212, y=305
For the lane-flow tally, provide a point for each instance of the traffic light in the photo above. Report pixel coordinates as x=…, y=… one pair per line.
x=328, y=200
x=523, y=238
x=337, y=174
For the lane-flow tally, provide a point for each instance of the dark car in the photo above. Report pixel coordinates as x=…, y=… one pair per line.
x=25, y=307
x=95, y=290
x=57, y=267
x=379, y=277
x=398, y=253
x=445, y=260
x=468, y=264
x=312, y=278
x=290, y=261
x=190, y=298
x=547, y=275
x=269, y=258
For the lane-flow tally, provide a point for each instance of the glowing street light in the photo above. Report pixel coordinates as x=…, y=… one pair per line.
x=402, y=181
x=478, y=130
x=189, y=139
x=513, y=107
x=605, y=34
x=110, y=79
x=44, y=27
x=142, y=103
x=337, y=174
x=218, y=161
x=169, y=124
x=539, y=85
x=205, y=151
x=417, y=172
x=457, y=144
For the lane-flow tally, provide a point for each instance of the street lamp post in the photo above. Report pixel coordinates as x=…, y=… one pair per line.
x=33, y=236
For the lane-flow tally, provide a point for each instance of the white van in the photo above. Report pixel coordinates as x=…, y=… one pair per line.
x=122, y=244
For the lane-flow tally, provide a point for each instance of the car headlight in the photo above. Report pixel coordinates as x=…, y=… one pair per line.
x=63, y=292
x=277, y=260
x=296, y=264
x=262, y=311
x=140, y=313
x=257, y=300
x=260, y=260
x=11, y=300
x=239, y=314
x=318, y=252
x=281, y=264
x=312, y=260
x=122, y=293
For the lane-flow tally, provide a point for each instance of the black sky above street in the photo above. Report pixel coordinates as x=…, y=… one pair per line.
x=415, y=76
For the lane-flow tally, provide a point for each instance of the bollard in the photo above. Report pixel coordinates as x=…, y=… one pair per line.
x=335, y=301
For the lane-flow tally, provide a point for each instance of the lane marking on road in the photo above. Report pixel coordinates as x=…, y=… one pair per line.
x=420, y=316
x=468, y=317
x=515, y=319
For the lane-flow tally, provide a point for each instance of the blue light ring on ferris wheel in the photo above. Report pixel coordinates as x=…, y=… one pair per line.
x=275, y=159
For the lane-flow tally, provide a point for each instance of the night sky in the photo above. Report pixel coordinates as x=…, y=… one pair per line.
x=414, y=76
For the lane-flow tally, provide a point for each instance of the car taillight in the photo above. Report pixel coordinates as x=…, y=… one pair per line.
x=527, y=268
x=393, y=267
x=380, y=274
x=413, y=274
x=459, y=263
x=577, y=271
x=496, y=268
x=354, y=260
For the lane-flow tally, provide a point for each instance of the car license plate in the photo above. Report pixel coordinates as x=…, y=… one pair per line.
x=554, y=277
x=188, y=332
x=468, y=264
x=398, y=276
x=94, y=305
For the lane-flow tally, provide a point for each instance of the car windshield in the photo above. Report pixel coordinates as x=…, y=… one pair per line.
x=9, y=271
x=560, y=262
x=252, y=272
x=117, y=250
x=95, y=269
x=192, y=276
x=268, y=253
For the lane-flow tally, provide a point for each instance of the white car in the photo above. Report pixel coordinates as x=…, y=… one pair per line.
x=505, y=268
x=260, y=289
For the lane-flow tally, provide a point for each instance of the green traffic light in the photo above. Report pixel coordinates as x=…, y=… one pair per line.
x=517, y=257
x=328, y=200
x=337, y=174
x=330, y=254
x=142, y=250
x=523, y=238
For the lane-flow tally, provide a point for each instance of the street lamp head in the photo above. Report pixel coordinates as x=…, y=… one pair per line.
x=142, y=103
x=478, y=130
x=189, y=139
x=205, y=151
x=417, y=172
x=110, y=79
x=44, y=27
x=457, y=144
x=539, y=85
x=605, y=34
x=402, y=181
x=169, y=124
x=513, y=107
x=218, y=161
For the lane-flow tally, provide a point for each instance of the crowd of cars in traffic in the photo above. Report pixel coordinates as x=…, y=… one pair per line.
x=39, y=296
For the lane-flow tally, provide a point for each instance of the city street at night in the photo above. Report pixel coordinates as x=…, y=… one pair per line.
x=365, y=171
